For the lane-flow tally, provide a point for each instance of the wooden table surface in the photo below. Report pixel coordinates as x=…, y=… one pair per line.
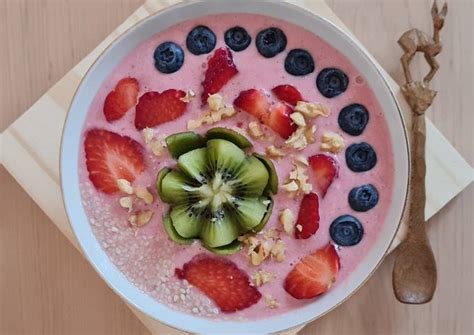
x=46, y=287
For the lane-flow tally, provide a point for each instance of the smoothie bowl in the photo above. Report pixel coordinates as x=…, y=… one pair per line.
x=238, y=165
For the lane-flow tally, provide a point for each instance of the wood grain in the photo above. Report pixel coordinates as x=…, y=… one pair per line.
x=46, y=287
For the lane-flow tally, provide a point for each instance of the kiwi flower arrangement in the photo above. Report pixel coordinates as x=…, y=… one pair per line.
x=216, y=192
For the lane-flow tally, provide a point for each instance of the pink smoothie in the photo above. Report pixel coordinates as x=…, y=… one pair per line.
x=146, y=256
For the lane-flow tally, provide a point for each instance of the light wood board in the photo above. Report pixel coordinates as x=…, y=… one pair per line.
x=12, y=207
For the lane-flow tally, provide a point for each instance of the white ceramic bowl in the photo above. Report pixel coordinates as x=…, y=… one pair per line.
x=118, y=51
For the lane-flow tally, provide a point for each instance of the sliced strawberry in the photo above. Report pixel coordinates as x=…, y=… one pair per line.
x=121, y=99
x=254, y=102
x=288, y=94
x=156, y=108
x=279, y=120
x=307, y=223
x=109, y=157
x=324, y=171
x=220, y=280
x=220, y=69
x=314, y=274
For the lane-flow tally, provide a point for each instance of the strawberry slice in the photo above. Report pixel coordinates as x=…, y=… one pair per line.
x=156, y=108
x=288, y=94
x=279, y=120
x=314, y=274
x=307, y=223
x=222, y=281
x=109, y=157
x=220, y=69
x=121, y=99
x=325, y=169
x=254, y=102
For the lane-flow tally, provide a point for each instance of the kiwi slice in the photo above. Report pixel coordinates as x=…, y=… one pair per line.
x=272, y=185
x=172, y=233
x=217, y=193
x=181, y=143
x=229, y=135
x=226, y=250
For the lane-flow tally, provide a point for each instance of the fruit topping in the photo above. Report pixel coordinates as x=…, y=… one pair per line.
x=325, y=169
x=363, y=198
x=271, y=42
x=220, y=69
x=155, y=108
x=353, y=119
x=360, y=157
x=272, y=185
x=237, y=38
x=181, y=143
x=218, y=193
x=314, y=274
x=221, y=281
x=173, y=235
x=229, y=135
x=331, y=82
x=201, y=40
x=346, y=230
x=279, y=120
x=308, y=217
x=121, y=99
x=332, y=142
x=288, y=94
x=111, y=157
x=254, y=102
x=169, y=57
x=299, y=62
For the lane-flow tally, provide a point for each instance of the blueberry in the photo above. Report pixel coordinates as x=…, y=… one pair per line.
x=353, y=119
x=237, y=38
x=363, y=198
x=169, y=57
x=201, y=40
x=271, y=42
x=360, y=157
x=346, y=230
x=299, y=62
x=331, y=82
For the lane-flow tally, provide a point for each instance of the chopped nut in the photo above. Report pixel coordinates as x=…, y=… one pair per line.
x=298, y=119
x=148, y=134
x=262, y=277
x=309, y=134
x=332, y=142
x=132, y=219
x=271, y=302
x=227, y=111
x=290, y=187
x=299, y=228
x=260, y=253
x=297, y=140
x=311, y=110
x=271, y=234
x=126, y=202
x=287, y=220
x=215, y=102
x=194, y=124
x=300, y=159
x=125, y=186
x=190, y=95
x=142, y=218
x=143, y=193
x=254, y=130
x=274, y=152
x=278, y=251
x=306, y=188
x=156, y=147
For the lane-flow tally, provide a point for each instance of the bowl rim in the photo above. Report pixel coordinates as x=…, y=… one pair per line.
x=202, y=322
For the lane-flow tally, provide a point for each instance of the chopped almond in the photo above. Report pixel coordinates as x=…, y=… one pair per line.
x=300, y=159
x=194, y=124
x=142, y=193
x=332, y=142
x=271, y=302
x=125, y=186
x=254, y=130
x=287, y=220
x=309, y=134
x=292, y=186
x=297, y=140
x=143, y=218
x=190, y=95
x=278, y=251
x=312, y=110
x=298, y=119
x=262, y=277
x=274, y=152
x=271, y=234
x=148, y=134
x=215, y=102
x=299, y=227
x=126, y=202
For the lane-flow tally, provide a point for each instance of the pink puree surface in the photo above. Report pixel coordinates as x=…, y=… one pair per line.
x=147, y=257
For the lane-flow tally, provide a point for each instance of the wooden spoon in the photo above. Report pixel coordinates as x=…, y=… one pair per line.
x=414, y=272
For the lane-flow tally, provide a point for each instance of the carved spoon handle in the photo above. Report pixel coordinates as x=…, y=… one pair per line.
x=414, y=273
